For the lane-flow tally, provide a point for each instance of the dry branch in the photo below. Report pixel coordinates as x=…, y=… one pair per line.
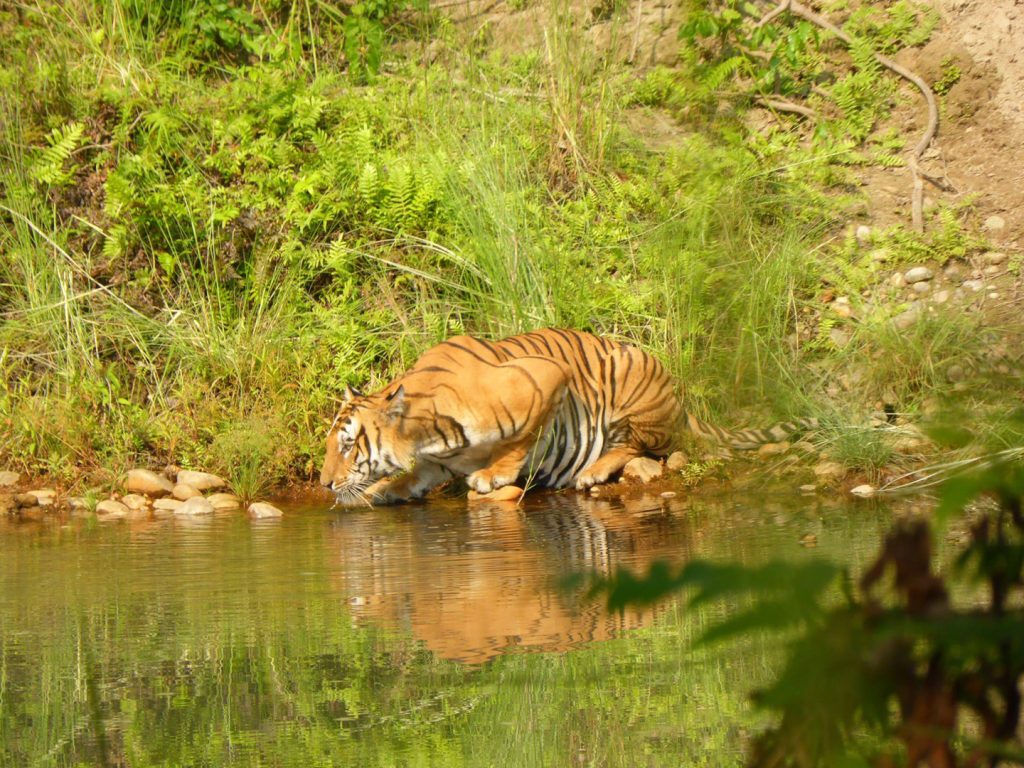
x=913, y=162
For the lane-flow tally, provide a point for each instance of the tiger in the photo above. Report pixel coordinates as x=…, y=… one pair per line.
x=551, y=408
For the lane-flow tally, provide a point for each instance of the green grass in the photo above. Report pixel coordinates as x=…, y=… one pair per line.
x=210, y=221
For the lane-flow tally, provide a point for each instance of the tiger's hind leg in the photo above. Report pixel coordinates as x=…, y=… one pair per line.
x=605, y=466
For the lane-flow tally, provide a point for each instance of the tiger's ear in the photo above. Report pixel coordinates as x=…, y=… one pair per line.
x=350, y=394
x=394, y=404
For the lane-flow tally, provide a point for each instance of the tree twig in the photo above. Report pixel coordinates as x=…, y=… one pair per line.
x=913, y=162
x=781, y=105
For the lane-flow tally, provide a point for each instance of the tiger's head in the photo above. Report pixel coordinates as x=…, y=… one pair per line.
x=366, y=443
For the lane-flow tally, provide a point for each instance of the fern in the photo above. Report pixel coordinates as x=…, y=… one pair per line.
x=48, y=167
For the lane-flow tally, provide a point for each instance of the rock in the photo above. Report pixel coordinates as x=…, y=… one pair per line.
x=994, y=224
x=7, y=479
x=808, y=488
x=184, y=492
x=994, y=257
x=197, y=505
x=147, y=482
x=864, y=491
x=260, y=510
x=863, y=234
x=7, y=505
x=839, y=336
x=227, y=500
x=677, y=461
x=769, y=450
x=809, y=540
x=941, y=297
x=907, y=319
x=26, y=500
x=880, y=255
x=166, y=505
x=44, y=496
x=668, y=494
x=841, y=307
x=201, y=481
x=918, y=275
x=953, y=272
x=908, y=445
x=897, y=280
x=108, y=509
x=920, y=287
x=135, y=501
x=78, y=503
x=643, y=469
x=829, y=470
x=956, y=373
x=974, y=285
x=505, y=493
x=805, y=446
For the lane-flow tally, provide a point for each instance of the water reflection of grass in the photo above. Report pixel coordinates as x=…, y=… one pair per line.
x=306, y=688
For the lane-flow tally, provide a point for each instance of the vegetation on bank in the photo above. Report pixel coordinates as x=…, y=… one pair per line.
x=216, y=215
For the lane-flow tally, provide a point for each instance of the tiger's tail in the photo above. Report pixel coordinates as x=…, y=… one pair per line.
x=748, y=439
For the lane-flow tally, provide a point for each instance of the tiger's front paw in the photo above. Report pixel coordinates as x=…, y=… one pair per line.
x=384, y=493
x=485, y=481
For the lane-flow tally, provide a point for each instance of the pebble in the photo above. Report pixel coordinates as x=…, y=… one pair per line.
x=863, y=234
x=643, y=469
x=147, y=482
x=8, y=479
x=907, y=319
x=908, y=445
x=167, y=505
x=880, y=254
x=921, y=287
x=808, y=488
x=839, y=336
x=992, y=270
x=44, y=496
x=941, y=297
x=994, y=257
x=677, y=461
x=135, y=501
x=769, y=450
x=227, y=500
x=184, y=492
x=953, y=272
x=993, y=295
x=918, y=275
x=994, y=224
x=974, y=285
x=956, y=373
x=197, y=505
x=897, y=280
x=864, y=491
x=804, y=446
x=668, y=494
x=201, y=481
x=260, y=510
x=109, y=509
x=77, y=503
x=809, y=540
x=841, y=307
x=26, y=500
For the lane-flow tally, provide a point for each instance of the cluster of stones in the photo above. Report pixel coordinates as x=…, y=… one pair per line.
x=147, y=494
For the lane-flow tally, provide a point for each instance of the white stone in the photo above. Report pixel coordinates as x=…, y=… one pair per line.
x=197, y=505
x=994, y=257
x=226, y=500
x=974, y=285
x=906, y=319
x=110, y=509
x=260, y=510
x=863, y=234
x=897, y=280
x=167, y=505
x=808, y=488
x=147, y=482
x=8, y=479
x=941, y=297
x=201, y=481
x=863, y=490
x=668, y=494
x=992, y=270
x=676, y=461
x=643, y=469
x=994, y=224
x=184, y=492
x=842, y=308
x=44, y=496
x=918, y=275
x=921, y=287
x=135, y=501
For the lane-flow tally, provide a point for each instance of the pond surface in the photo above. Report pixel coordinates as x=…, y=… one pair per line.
x=420, y=635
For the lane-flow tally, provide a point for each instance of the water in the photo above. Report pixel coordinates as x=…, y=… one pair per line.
x=420, y=635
